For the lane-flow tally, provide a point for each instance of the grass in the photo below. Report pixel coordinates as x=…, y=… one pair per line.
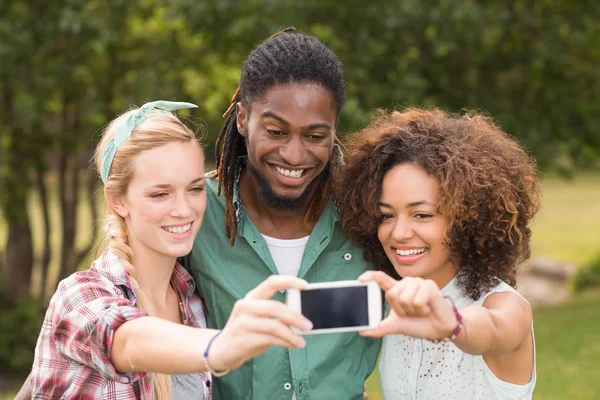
x=568, y=225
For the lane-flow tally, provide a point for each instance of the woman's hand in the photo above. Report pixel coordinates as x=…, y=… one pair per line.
x=256, y=323
x=418, y=308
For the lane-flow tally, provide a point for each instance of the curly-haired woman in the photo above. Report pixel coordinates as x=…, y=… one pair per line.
x=443, y=202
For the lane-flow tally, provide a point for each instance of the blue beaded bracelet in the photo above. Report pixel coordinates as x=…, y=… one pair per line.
x=207, y=365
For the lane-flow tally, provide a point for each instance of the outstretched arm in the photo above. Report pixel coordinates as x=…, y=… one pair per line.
x=154, y=345
x=418, y=309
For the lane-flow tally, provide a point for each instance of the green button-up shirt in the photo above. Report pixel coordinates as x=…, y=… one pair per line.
x=331, y=366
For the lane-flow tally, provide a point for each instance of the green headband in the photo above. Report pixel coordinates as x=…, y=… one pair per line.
x=126, y=126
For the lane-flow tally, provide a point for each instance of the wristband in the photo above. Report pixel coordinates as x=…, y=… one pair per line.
x=206, y=363
x=460, y=325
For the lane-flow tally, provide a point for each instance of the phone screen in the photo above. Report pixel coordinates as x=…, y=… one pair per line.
x=336, y=307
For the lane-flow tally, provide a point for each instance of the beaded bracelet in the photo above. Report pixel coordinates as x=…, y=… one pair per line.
x=207, y=365
x=460, y=325
x=458, y=328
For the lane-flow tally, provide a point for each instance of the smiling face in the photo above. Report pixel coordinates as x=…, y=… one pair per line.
x=412, y=230
x=289, y=135
x=165, y=200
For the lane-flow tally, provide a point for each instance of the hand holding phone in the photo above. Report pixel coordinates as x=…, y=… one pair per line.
x=341, y=306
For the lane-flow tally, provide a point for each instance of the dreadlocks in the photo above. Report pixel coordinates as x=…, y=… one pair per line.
x=286, y=57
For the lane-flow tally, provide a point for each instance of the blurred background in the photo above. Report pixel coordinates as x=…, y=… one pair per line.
x=68, y=67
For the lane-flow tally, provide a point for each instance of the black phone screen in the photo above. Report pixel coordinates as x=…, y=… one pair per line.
x=336, y=307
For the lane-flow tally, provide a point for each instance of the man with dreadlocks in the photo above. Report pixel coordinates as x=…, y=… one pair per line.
x=269, y=212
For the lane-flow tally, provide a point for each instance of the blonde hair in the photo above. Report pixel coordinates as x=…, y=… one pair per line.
x=159, y=130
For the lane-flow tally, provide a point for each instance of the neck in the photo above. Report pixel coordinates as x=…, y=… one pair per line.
x=280, y=224
x=443, y=275
x=153, y=272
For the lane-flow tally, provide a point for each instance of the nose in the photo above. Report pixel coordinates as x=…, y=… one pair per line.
x=402, y=230
x=293, y=151
x=181, y=207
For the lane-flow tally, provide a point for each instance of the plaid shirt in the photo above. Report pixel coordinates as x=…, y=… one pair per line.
x=72, y=356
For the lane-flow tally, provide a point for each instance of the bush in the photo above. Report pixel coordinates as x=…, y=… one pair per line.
x=587, y=276
x=21, y=324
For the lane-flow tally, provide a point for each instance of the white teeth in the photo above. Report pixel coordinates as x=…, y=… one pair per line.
x=410, y=252
x=178, y=229
x=294, y=173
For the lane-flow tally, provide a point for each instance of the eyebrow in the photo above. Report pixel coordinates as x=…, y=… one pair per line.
x=271, y=114
x=166, y=185
x=409, y=205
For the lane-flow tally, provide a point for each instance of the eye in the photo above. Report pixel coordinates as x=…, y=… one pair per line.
x=275, y=132
x=315, y=136
x=423, y=216
x=385, y=216
x=158, y=195
x=198, y=189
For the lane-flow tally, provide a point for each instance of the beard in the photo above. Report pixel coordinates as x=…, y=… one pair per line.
x=282, y=203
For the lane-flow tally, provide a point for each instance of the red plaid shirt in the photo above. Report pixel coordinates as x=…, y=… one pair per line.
x=72, y=356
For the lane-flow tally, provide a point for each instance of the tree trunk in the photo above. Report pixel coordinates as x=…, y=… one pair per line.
x=19, y=260
x=19, y=243
x=47, y=250
x=91, y=186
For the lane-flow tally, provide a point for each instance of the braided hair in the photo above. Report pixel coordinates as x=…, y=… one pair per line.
x=286, y=57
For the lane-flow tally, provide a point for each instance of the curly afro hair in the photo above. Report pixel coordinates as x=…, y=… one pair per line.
x=488, y=188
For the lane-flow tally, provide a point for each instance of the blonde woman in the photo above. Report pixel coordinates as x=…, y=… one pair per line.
x=132, y=326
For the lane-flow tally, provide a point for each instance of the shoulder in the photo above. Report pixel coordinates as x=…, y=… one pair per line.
x=211, y=182
x=86, y=286
x=507, y=301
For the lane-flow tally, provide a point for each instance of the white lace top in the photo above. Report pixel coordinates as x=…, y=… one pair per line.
x=418, y=369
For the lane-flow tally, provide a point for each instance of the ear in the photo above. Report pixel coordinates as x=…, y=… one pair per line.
x=241, y=118
x=116, y=202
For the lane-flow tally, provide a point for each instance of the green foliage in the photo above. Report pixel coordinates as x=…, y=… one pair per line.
x=21, y=324
x=69, y=67
x=587, y=276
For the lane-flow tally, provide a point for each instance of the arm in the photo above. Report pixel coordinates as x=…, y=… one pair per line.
x=154, y=345
x=418, y=309
x=499, y=327
x=25, y=393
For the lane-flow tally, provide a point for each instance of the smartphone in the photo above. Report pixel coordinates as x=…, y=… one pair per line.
x=341, y=306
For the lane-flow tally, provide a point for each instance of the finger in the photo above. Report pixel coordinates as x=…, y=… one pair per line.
x=386, y=327
x=274, y=283
x=425, y=294
x=396, y=296
x=391, y=297
x=263, y=341
x=272, y=309
x=407, y=296
x=384, y=281
x=272, y=329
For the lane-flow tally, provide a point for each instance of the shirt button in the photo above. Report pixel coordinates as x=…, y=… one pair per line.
x=281, y=290
x=347, y=256
x=287, y=386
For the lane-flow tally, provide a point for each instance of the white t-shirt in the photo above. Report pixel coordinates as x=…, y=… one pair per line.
x=287, y=254
x=418, y=369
